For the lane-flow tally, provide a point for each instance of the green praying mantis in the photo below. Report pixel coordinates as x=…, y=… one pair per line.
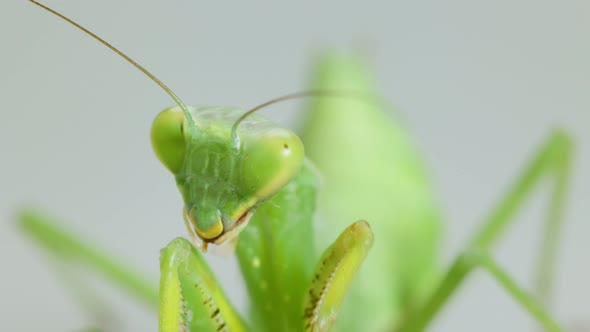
x=253, y=186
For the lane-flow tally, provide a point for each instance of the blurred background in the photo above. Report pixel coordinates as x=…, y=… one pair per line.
x=479, y=84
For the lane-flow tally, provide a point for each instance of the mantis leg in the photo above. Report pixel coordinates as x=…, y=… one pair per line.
x=553, y=159
x=190, y=297
x=66, y=247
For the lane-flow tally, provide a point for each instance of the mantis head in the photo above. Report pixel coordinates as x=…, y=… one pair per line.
x=223, y=179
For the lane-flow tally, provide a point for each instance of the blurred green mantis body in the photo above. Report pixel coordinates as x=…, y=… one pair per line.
x=246, y=180
x=371, y=168
x=238, y=174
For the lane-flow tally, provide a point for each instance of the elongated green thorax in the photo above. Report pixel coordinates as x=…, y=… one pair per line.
x=373, y=171
x=223, y=181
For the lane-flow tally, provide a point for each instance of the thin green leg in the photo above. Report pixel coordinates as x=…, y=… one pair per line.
x=545, y=271
x=529, y=302
x=553, y=159
x=67, y=247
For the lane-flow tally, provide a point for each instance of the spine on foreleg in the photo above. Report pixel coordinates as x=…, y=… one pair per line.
x=372, y=171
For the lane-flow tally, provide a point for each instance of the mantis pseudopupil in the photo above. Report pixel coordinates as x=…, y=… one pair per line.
x=476, y=256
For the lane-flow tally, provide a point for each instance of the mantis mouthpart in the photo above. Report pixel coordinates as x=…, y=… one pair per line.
x=249, y=182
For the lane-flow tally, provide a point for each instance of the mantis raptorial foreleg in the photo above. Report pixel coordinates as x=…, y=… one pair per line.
x=190, y=297
x=228, y=165
x=553, y=159
x=332, y=277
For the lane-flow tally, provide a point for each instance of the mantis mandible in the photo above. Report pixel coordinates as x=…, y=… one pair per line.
x=417, y=291
x=227, y=163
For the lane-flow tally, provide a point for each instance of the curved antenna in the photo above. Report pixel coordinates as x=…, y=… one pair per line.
x=124, y=56
x=296, y=95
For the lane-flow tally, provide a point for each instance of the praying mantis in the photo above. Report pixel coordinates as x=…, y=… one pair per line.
x=561, y=139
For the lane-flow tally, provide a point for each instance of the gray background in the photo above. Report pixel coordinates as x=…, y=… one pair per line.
x=480, y=85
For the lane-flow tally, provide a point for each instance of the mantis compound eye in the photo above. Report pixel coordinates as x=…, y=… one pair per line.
x=168, y=139
x=270, y=161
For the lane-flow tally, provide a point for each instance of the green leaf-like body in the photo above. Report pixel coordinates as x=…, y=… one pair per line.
x=372, y=171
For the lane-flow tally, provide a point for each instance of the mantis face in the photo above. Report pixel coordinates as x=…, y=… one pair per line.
x=223, y=180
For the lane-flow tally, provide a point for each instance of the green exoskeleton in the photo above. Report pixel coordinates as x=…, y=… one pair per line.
x=238, y=174
x=402, y=286
x=224, y=175
x=246, y=180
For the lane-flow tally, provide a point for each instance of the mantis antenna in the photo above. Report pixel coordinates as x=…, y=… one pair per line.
x=124, y=56
x=296, y=95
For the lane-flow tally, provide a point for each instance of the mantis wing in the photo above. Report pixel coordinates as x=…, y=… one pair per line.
x=372, y=171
